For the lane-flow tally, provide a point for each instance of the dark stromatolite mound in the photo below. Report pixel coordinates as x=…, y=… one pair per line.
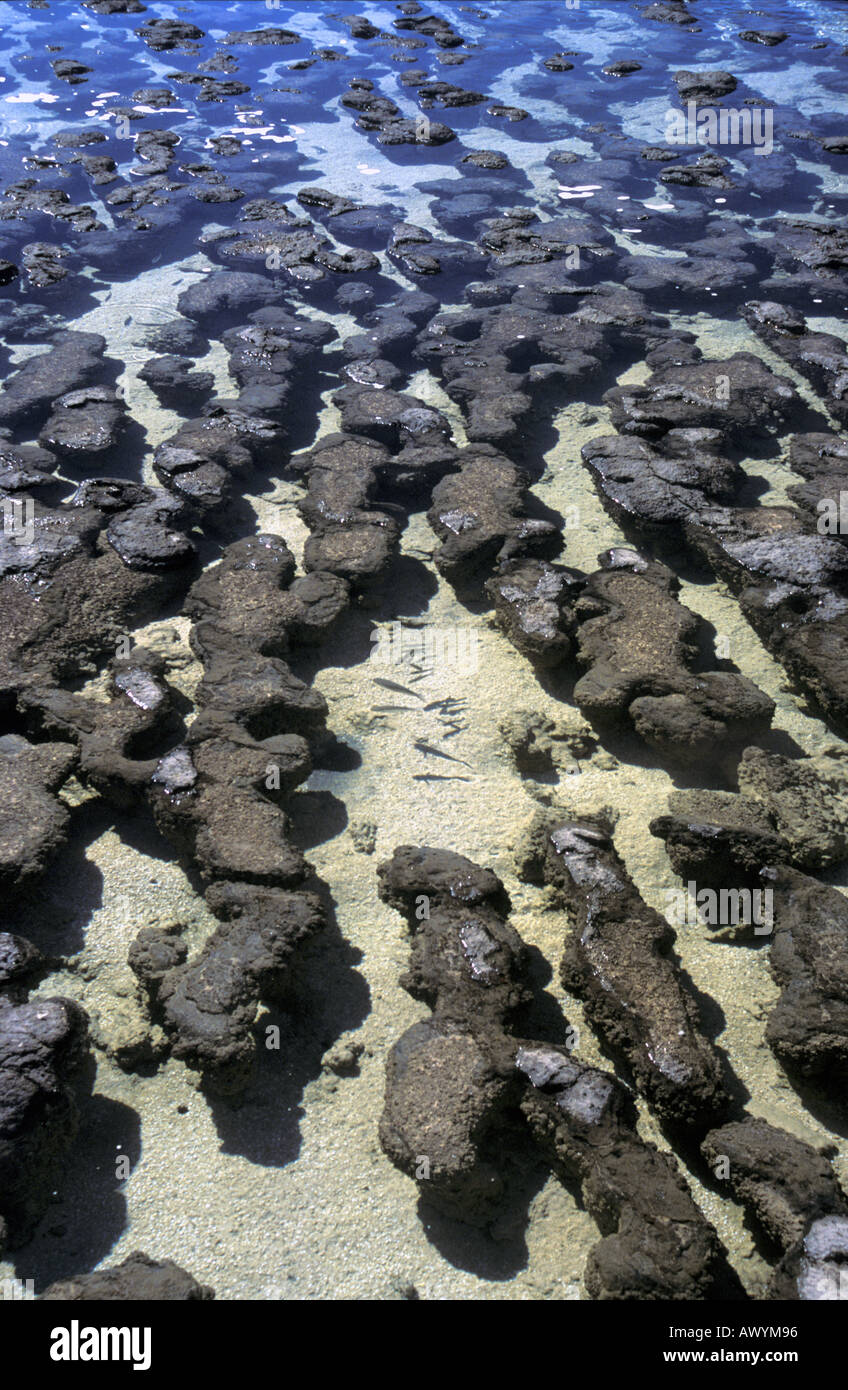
x=792, y=1192
x=91, y=571
x=164, y=34
x=638, y=646
x=820, y=357
x=447, y=1104
x=178, y=337
x=84, y=424
x=657, y=1245
x=519, y=238
x=707, y=171
x=534, y=606
x=433, y=26
x=345, y=473
x=486, y=159
x=383, y=116
x=618, y=961
x=654, y=487
x=807, y=799
x=148, y=535
x=114, y=6
x=359, y=26
x=208, y=1005
x=822, y=460
x=137, y=1279
x=23, y=466
x=769, y=37
x=254, y=596
x=72, y=362
x=516, y=347
x=808, y=1027
x=704, y=87
x=791, y=582
x=265, y=354
x=788, y=810
x=713, y=837
x=737, y=396
x=228, y=822
x=27, y=196
x=449, y=1080
x=157, y=97
x=389, y=332
x=174, y=383
x=446, y=94
x=42, y=1045
x=417, y=252
x=278, y=38
x=784, y=1182
x=557, y=63
x=107, y=735
x=479, y=515
x=623, y=68
x=351, y=537
x=70, y=70
x=393, y=418
x=792, y=587
x=219, y=799
x=271, y=233
x=723, y=263
x=35, y=823
x=226, y=292
x=202, y=462
x=669, y=12
x=811, y=257
x=100, y=168
x=507, y=113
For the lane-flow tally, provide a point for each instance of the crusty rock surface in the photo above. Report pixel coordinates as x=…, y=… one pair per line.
x=43, y=1044
x=618, y=961
x=137, y=1279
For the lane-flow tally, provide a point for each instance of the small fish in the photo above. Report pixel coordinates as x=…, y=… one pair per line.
x=436, y=777
x=383, y=708
x=437, y=752
x=398, y=689
x=445, y=704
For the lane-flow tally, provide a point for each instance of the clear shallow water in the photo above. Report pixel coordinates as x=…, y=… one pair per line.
x=290, y=1197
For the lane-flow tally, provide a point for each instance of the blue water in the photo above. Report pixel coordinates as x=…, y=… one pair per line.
x=302, y=135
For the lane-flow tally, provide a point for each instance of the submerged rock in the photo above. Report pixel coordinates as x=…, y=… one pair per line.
x=704, y=87
x=85, y=424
